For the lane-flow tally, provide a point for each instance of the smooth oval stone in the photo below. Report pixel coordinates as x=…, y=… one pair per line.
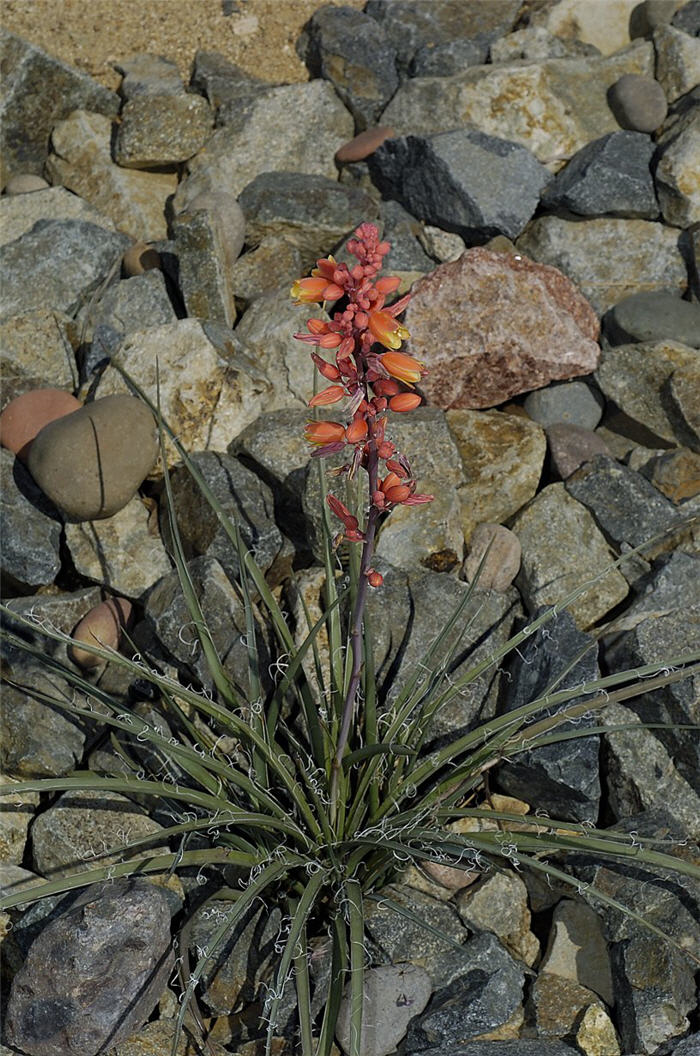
x=139, y=258
x=654, y=316
x=101, y=626
x=638, y=102
x=363, y=144
x=26, y=415
x=502, y=561
x=25, y=183
x=570, y=446
x=92, y=462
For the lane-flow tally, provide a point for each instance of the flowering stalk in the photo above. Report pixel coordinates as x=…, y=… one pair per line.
x=370, y=382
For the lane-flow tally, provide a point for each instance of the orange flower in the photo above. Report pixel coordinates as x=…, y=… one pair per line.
x=401, y=366
x=399, y=493
x=315, y=289
x=405, y=401
x=322, y=433
x=330, y=395
x=385, y=329
x=357, y=430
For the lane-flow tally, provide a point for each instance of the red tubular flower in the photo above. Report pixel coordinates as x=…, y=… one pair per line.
x=306, y=291
x=328, y=370
x=387, y=284
x=357, y=430
x=330, y=395
x=342, y=512
x=385, y=329
x=405, y=401
x=322, y=433
x=386, y=387
x=399, y=493
x=417, y=500
x=403, y=367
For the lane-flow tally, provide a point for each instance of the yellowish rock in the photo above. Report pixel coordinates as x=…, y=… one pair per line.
x=596, y=1034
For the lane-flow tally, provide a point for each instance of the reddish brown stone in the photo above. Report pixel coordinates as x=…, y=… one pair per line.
x=489, y=326
x=570, y=446
x=362, y=146
x=26, y=415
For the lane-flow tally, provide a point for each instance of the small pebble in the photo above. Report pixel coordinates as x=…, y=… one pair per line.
x=364, y=144
x=139, y=258
x=26, y=415
x=101, y=626
x=25, y=183
x=91, y=463
x=572, y=445
x=572, y=402
x=638, y=102
x=503, y=561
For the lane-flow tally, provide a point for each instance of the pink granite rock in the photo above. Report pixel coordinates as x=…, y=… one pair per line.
x=489, y=326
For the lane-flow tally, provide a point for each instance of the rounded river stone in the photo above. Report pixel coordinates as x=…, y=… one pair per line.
x=91, y=462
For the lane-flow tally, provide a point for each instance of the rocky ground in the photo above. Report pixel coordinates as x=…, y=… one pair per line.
x=535, y=168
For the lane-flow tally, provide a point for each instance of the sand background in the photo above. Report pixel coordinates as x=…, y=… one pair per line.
x=258, y=35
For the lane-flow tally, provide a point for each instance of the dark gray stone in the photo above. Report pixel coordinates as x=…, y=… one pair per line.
x=570, y=402
x=230, y=90
x=463, y=181
x=38, y=740
x=203, y=274
x=448, y=58
x=412, y=24
x=653, y=317
x=401, y=230
x=30, y=528
x=57, y=264
x=690, y=1046
x=171, y=622
x=38, y=91
x=314, y=212
x=149, y=75
x=94, y=975
x=160, y=131
x=349, y=49
x=514, y=1047
x=478, y=1001
x=638, y=102
x=244, y=498
x=626, y=506
x=688, y=19
x=561, y=778
x=608, y=177
x=403, y=939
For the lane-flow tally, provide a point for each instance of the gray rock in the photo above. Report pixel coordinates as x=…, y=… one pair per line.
x=15, y=818
x=652, y=317
x=244, y=498
x=58, y=611
x=19, y=213
x=674, y=176
x=576, y=949
x=94, y=975
x=148, y=75
x=608, y=177
x=161, y=130
x=38, y=91
x=91, y=462
x=403, y=939
x=411, y=24
x=265, y=268
x=638, y=102
x=689, y=1046
x=625, y=505
x=571, y=93
x=403, y=232
x=56, y=265
x=230, y=90
x=480, y=1000
x=171, y=621
x=562, y=550
x=268, y=141
x=448, y=58
x=349, y=49
x=570, y=402
x=25, y=183
x=392, y=995
x=467, y=181
x=513, y=1047
x=31, y=529
x=687, y=18
x=84, y=830
x=313, y=211
x=572, y=445
x=677, y=61
x=608, y=259
x=203, y=267
x=562, y=778
x=431, y=537
x=640, y=379
x=645, y=17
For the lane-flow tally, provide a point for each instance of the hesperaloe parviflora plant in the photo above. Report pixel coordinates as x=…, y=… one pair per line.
x=314, y=801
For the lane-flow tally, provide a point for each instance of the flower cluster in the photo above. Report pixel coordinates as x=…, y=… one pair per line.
x=371, y=381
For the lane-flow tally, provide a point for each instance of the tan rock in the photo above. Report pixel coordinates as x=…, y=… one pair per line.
x=558, y=1003
x=677, y=61
x=15, y=818
x=502, y=456
x=500, y=551
x=576, y=949
x=36, y=352
x=102, y=626
x=18, y=215
x=489, y=326
x=596, y=1035
x=82, y=162
x=604, y=25
x=500, y=904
